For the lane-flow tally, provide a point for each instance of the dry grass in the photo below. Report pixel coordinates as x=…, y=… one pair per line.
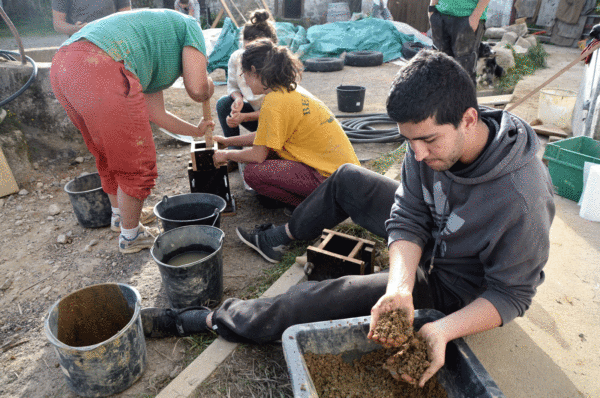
x=251, y=371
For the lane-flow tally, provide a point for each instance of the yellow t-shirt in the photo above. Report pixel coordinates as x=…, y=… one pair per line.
x=299, y=127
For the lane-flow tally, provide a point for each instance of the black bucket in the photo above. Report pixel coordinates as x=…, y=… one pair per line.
x=196, y=283
x=98, y=336
x=90, y=202
x=351, y=98
x=190, y=209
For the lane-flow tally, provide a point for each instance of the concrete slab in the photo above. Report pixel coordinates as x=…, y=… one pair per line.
x=553, y=350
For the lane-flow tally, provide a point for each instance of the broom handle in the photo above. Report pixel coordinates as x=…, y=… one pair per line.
x=207, y=114
x=560, y=72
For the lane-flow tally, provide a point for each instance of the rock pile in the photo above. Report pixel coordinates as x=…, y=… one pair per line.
x=514, y=35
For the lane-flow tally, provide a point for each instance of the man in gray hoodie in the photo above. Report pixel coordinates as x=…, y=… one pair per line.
x=468, y=232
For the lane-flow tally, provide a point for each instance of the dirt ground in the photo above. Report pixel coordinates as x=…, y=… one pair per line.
x=36, y=270
x=552, y=351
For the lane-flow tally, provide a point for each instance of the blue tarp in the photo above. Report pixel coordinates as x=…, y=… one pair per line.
x=318, y=41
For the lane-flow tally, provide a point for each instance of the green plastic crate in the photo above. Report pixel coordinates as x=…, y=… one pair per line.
x=565, y=163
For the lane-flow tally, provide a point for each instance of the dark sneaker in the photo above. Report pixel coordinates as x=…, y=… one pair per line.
x=167, y=322
x=256, y=240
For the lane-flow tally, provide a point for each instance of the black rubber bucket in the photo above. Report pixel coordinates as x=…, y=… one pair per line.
x=351, y=98
x=90, y=202
x=98, y=336
x=190, y=209
x=195, y=283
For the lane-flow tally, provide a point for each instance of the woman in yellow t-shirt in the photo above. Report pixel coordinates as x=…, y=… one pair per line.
x=298, y=143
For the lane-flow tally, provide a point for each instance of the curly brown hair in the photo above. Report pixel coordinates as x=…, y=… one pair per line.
x=260, y=25
x=276, y=66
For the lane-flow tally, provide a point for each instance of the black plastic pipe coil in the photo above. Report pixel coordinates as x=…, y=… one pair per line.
x=9, y=55
x=360, y=130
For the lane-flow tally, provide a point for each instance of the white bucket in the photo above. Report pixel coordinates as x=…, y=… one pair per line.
x=338, y=12
x=556, y=107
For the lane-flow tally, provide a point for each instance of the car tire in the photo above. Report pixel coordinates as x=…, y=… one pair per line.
x=323, y=64
x=411, y=48
x=364, y=58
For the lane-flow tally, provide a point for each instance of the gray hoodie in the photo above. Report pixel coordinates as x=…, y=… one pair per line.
x=486, y=226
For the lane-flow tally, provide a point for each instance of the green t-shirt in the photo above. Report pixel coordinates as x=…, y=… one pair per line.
x=149, y=42
x=459, y=8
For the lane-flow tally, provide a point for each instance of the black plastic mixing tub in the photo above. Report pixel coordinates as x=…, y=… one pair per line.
x=463, y=376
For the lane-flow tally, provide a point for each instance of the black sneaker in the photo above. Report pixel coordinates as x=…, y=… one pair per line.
x=166, y=322
x=256, y=240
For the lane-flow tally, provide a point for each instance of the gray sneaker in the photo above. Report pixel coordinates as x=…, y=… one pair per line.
x=143, y=240
x=256, y=240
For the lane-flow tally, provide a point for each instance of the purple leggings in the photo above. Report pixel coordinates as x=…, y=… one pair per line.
x=285, y=180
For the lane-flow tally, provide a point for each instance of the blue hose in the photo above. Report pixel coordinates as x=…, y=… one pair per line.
x=8, y=54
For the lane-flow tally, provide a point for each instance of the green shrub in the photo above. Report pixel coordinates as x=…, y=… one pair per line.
x=525, y=64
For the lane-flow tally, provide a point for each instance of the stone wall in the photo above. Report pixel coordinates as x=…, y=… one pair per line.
x=36, y=106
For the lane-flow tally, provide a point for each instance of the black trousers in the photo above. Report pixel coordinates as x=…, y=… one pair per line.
x=455, y=37
x=367, y=198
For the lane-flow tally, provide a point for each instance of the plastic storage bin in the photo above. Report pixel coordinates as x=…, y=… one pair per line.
x=463, y=376
x=565, y=163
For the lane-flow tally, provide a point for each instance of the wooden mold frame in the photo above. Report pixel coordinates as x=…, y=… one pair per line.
x=339, y=254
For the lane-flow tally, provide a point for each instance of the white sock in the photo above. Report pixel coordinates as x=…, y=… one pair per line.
x=129, y=234
x=115, y=211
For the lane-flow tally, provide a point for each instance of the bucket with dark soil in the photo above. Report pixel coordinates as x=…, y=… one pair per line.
x=98, y=337
x=190, y=261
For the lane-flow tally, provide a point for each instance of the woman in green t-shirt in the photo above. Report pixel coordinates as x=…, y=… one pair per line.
x=109, y=77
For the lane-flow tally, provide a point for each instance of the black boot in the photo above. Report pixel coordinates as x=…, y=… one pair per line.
x=171, y=322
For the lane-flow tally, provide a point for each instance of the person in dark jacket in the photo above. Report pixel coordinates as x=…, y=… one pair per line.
x=467, y=228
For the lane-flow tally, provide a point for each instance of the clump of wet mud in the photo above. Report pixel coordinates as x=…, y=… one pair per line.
x=370, y=375
x=411, y=353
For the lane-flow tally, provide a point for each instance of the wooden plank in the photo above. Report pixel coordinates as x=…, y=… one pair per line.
x=207, y=115
x=494, y=100
x=229, y=14
x=557, y=74
x=264, y=3
x=327, y=253
x=217, y=19
x=550, y=130
x=238, y=11
x=8, y=184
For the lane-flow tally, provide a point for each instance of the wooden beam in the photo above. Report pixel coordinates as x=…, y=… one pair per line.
x=207, y=115
x=495, y=100
x=265, y=5
x=8, y=185
x=238, y=10
x=549, y=130
x=229, y=14
x=557, y=74
x=217, y=19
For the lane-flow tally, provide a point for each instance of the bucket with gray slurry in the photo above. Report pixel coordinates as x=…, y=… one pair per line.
x=196, y=283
